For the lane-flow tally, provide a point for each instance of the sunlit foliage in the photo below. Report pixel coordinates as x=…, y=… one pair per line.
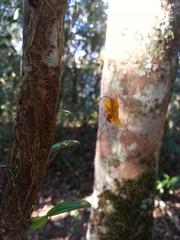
x=10, y=38
x=85, y=27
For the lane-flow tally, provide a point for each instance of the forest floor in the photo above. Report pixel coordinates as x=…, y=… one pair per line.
x=70, y=176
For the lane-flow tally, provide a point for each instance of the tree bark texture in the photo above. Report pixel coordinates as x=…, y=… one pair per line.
x=34, y=123
x=140, y=57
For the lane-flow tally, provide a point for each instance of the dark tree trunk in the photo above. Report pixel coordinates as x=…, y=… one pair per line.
x=34, y=123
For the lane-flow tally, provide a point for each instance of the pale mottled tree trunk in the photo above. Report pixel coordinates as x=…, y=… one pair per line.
x=140, y=59
x=33, y=126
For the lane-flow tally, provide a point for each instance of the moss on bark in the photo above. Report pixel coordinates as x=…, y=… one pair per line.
x=126, y=213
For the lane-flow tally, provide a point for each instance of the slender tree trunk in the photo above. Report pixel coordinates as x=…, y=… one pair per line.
x=140, y=58
x=34, y=123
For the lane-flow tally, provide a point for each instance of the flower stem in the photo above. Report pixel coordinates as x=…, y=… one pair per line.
x=87, y=118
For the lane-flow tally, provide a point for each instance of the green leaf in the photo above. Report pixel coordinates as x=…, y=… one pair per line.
x=159, y=186
x=171, y=191
x=64, y=144
x=64, y=111
x=38, y=222
x=175, y=182
x=68, y=206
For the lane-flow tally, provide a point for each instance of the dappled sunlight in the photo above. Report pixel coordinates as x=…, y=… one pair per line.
x=70, y=175
x=166, y=219
x=62, y=226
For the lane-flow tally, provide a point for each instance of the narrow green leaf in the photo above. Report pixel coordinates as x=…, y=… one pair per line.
x=64, y=144
x=64, y=111
x=38, y=222
x=175, y=181
x=68, y=206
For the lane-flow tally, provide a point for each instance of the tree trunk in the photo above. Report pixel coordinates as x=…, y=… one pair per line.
x=140, y=58
x=34, y=123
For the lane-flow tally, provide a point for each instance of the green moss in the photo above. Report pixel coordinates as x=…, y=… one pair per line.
x=126, y=213
x=141, y=113
x=109, y=160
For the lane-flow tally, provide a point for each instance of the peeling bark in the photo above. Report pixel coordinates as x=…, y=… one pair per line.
x=140, y=57
x=34, y=124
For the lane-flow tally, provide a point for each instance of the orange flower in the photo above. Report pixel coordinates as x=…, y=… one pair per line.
x=112, y=110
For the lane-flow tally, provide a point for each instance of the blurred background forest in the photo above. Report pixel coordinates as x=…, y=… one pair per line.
x=70, y=175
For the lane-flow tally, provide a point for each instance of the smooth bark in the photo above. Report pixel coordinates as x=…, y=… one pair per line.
x=140, y=57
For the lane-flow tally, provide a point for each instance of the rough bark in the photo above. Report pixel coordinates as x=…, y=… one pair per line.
x=140, y=56
x=34, y=123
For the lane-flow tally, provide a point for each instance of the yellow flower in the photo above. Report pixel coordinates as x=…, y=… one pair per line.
x=112, y=110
